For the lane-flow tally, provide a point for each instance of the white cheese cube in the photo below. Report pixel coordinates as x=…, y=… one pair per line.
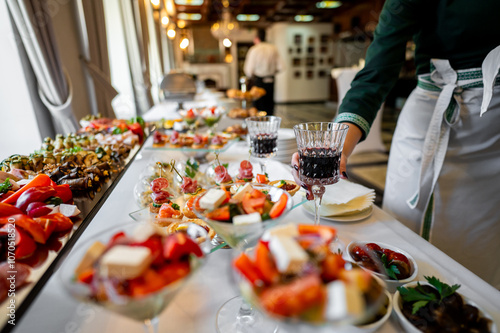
x=247, y=219
x=125, y=262
x=288, y=254
x=212, y=199
x=343, y=300
x=287, y=230
x=93, y=252
x=242, y=190
x=144, y=231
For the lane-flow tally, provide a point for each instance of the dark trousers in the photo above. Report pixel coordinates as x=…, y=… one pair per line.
x=266, y=102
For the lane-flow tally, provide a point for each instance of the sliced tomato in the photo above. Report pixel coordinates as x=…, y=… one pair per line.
x=279, y=206
x=228, y=195
x=331, y=267
x=174, y=271
x=253, y=202
x=296, y=298
x=155, y=244
x=47, y=225
x=220, y=214
x=327, y=233
x=265, y=264
x=179, y=245
x=149, y=282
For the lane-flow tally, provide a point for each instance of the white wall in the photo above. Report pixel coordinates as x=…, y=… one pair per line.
x=287, y=87
x=19, y=132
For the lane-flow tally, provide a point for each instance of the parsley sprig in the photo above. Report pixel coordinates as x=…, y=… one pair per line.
x=5, y=186
x=422, y=297
x=390, y=268
x=191, y=169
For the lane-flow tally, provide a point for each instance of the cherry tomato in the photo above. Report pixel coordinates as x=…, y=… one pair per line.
x=398, y=256
x=374, y=247
x=358, y=253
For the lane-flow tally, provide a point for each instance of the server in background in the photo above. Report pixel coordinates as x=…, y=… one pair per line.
x=261, y=65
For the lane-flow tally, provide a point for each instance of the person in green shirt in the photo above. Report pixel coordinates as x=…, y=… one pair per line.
x=443, y=172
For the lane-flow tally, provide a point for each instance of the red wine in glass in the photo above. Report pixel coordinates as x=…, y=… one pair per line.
x=319, y=166
x=264, y=145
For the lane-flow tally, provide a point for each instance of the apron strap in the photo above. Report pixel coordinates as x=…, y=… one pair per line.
x=446, y=113
x=490, y=68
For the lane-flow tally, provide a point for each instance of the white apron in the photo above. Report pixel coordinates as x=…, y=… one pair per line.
x=443, y=177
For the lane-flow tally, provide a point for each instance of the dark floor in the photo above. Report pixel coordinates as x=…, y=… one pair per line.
x=369, y=168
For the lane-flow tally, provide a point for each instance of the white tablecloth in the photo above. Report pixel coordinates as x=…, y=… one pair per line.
x=195, y=307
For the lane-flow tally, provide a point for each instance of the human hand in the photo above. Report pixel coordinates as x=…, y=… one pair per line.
x=352, y=138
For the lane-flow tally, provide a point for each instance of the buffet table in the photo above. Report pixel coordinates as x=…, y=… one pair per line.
x=195, y=307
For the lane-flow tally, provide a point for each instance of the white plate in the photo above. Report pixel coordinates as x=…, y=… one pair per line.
x=344, y=218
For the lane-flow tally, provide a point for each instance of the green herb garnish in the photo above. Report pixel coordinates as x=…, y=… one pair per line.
x=266, y=216
x=56, y=201
x=175, y=206
x=422, y=297
x=5, y=186
x=282, y=182
x=390, y=268
x=191, y=169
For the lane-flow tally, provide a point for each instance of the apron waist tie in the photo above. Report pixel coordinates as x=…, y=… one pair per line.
x=446, y=113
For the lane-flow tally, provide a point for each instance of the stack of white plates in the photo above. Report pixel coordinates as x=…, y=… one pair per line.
x=287, y=145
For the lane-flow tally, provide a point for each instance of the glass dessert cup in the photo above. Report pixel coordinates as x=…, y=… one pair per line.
x=320, y=147
x=263, y=138
x=189, y=117
x=236, y=315
x=211, y=117
x=144, y=308
x=300, y=302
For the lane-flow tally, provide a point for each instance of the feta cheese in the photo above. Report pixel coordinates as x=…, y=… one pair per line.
x=125, y=262
x=247, y=219
x=212, y=199
x=287, y=230
x=288, y=254
x=242, y=190
x=93, y=252
x=343, y=300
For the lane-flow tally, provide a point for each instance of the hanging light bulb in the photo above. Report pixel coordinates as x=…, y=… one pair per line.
x=155, y=3
x=184, y=43
x=171, y=33
x=181, y=24
x=164, y=20
x=227, y=42
x=225, y=27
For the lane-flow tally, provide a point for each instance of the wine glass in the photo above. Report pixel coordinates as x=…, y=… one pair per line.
x=320, y=147
x=320, y=292
x=142, y=298
x=236, y=315
x=263, y=136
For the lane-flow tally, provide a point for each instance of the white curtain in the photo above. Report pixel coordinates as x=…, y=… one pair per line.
x=96, y=57
x=34, y=25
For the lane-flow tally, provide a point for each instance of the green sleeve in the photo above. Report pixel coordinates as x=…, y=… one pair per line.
x=384, y=59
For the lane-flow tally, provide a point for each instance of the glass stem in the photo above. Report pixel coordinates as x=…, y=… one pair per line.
x=262, y=163
x=318, y=191
x=151, y=325
x=246, y=315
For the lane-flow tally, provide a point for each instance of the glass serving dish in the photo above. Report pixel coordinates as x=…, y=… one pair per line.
x=148, y=299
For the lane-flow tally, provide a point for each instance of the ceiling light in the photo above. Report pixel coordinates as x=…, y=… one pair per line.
x=181, y=24
x=328, y=4
x=164, y=20
x=248, y=17
x=171, y=33
x=189, y=16
x=155, y=3
x=303, y=18
x=227, y=42
x=189, y=2
x=184, y=43
x=225, y=27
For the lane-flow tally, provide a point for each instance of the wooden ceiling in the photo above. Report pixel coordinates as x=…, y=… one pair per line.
x=270, y=11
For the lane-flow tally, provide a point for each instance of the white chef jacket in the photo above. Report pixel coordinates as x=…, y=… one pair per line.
x=263, y=60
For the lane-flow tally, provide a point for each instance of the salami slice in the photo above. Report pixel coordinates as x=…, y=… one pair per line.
x=160, y=197
x=159, y=184
x=189, y=185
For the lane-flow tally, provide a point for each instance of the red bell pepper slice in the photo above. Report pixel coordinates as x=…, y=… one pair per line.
x=25, y=245
x=8, y=210
x=247, y=268
x=62, y=223
x=28, y=224
x=63, y=191
x=39, y=180
x=265, y=264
